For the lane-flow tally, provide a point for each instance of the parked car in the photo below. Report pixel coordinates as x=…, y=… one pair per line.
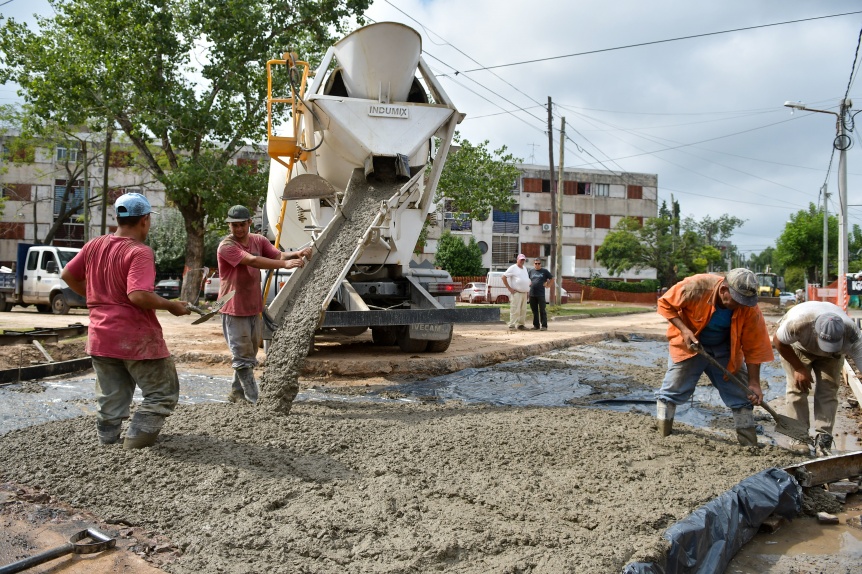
x=786, y=298
x=211, y=287
x=474, y=293
x=169, y=288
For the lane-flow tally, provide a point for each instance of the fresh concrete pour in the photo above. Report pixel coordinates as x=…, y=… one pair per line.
x=291, y=342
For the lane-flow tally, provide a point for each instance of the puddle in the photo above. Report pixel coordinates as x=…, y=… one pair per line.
x=804, y=546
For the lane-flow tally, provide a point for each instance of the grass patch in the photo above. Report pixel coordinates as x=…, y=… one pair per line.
x=575, y=309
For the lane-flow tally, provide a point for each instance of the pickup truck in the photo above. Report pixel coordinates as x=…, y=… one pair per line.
x=36, y=280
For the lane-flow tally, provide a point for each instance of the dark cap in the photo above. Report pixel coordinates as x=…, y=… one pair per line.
x=830, y=332
x=743, y=286
x=238, y=213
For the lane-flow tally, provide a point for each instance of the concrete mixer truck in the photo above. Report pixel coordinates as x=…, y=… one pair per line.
x=356, y=153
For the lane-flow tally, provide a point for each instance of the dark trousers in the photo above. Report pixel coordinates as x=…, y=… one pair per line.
x=537, y=306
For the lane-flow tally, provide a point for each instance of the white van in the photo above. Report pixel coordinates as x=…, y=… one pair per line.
x=498, y=293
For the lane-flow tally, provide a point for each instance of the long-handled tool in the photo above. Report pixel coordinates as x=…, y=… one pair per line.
x=206, y=315
x=783, y=424
x=100, y=542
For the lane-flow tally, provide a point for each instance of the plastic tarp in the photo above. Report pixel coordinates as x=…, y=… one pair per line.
x=706, y=540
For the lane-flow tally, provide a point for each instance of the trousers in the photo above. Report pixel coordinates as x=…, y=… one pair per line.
x=826, y=372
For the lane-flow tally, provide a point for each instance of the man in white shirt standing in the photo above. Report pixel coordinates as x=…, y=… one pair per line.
x=517, y=281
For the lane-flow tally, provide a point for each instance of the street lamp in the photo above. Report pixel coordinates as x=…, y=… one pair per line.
x=842, y=144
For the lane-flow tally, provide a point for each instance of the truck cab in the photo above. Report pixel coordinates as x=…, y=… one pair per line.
x=36, y=280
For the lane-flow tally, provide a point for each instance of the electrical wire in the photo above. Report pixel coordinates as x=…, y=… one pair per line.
x=654, y=42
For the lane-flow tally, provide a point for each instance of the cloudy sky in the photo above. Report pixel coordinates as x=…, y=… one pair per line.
x=704, y=113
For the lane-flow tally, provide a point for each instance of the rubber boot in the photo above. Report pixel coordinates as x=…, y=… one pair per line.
x=746, y=433
x=249, y=385
x=664, y=413
x=236, y=395
x=143, y=430
x=108, y=433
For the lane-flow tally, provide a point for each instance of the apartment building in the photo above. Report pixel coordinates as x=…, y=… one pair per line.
x=40, y=191
x=594, y=202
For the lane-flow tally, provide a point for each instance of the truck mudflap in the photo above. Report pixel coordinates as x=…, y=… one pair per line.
x=410, y=317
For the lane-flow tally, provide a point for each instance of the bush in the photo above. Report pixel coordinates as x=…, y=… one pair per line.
x=645, y=286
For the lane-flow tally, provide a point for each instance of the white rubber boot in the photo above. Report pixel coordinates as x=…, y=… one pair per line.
x=746, y=433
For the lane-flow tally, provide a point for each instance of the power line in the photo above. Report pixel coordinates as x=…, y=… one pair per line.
x=654, y=42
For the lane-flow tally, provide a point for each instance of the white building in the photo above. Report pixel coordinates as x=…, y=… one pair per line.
x=594, y=202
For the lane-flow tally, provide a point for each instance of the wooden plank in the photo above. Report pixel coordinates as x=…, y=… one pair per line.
x=42, y=371
x=42, y=350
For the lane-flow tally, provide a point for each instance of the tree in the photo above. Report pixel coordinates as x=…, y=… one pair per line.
x=801, y=242
x=184, y=80
x=476, y=180
x=458, y=258
x=658, y=244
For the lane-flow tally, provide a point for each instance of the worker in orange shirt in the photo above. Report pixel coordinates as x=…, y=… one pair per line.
x=720, y=314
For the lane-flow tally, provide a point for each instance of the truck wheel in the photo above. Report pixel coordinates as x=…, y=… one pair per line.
x=4, y=306
x=410, y=345
x=59, y=305
x=502, y=299
x=384, y=337
x=439, y=346
x=43, y=308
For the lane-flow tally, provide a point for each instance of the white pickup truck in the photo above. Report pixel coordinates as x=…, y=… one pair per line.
x=36, y=280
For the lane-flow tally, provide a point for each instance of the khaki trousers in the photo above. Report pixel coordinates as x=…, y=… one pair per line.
x=826, y=372
x=518, y=309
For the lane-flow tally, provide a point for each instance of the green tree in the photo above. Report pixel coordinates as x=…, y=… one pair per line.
x=658, y=244
x=801, y=242
x=476, y=180
x=763, y=260
x=184, y=80
x=458, y=258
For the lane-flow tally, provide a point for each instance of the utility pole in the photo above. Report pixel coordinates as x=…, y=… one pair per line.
x=558, y=262
x=107, y=162
x=842, y=143
x=553, y=253
x=824, y=278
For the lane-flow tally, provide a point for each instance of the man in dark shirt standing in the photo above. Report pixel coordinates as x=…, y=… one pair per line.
x=539, y=279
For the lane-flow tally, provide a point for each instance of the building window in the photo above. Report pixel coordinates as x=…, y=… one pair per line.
x=69, y=154
x=121, y=159
x=603, y=221
x=11, y=230
x=516, y=185
x=570, y=187
x=635, y=192
x=583, y=188
x=601, y=189
x=75, y=199
x=504, y=249
x=16, y=191
x=505, y=222
x=546, y=186
x=583, y=220
x=583, y=252
x=531, y=250
x=532, y=185
x=544, y=217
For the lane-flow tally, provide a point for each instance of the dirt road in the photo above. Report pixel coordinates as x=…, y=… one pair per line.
x=398, y=487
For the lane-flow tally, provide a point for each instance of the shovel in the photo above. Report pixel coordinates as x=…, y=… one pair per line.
x=783, y=424
x=207, y=315
x=99, y=543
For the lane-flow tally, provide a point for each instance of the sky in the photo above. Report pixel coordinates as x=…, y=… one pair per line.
x=704, y=113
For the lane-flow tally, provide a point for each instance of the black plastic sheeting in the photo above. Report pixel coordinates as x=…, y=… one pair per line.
x=706, y=540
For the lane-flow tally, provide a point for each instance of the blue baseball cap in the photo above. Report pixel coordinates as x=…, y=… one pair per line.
x=132, y=205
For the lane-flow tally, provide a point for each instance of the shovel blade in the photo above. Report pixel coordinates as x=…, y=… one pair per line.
x=791, y=428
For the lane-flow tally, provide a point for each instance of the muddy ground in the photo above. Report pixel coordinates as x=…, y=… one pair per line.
x=395, y=487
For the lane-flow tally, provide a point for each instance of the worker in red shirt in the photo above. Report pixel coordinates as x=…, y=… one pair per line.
x=117, y=273
x=241, y=256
